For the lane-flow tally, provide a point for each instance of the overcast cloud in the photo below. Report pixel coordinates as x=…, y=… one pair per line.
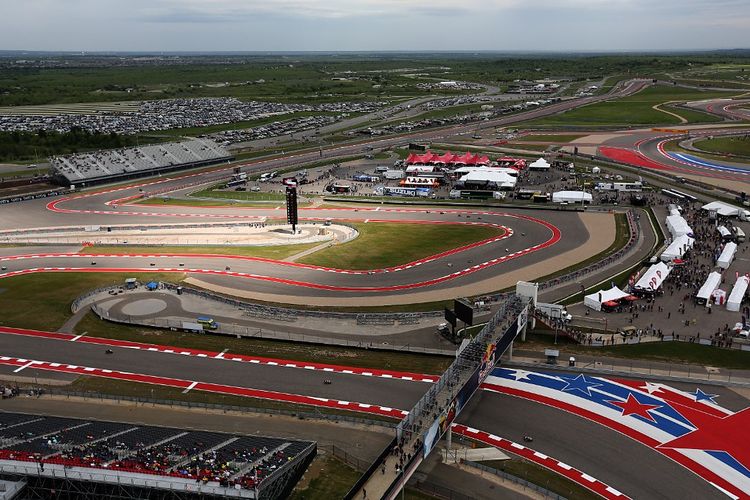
x=328, y=25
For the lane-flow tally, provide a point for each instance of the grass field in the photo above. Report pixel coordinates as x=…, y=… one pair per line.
x=739, y=145
x=277, y=252
x=636, y=109
x=49, y=295
x=182, y=202
x=668, y=352
x=540, y=476
x=549, y=138
x=266, y=348
x=414, y=241
x=238, y=195
x=331, y=478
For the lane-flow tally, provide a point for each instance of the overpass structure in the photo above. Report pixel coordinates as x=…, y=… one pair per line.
x=429, y=420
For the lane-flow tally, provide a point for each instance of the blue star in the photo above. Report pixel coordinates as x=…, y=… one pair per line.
x=580, y=384
x=702, y=396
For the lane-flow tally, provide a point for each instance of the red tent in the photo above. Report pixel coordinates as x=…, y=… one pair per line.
x=483, y=160
x=412, y=158
x=446, y=158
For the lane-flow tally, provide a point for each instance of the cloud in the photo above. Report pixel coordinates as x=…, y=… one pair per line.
x=238, y=10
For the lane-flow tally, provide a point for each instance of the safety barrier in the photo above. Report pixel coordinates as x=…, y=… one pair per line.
x=547, y=494
x=264, y=333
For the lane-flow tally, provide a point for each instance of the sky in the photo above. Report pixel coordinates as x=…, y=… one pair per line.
x=373, y=25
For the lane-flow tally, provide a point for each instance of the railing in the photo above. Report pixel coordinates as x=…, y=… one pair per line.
x=514, y=479
x=310, y=313
x=63, y=472
x=635, y=231
x=252, y=332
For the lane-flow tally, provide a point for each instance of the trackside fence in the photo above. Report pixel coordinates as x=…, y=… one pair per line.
x=40, y=390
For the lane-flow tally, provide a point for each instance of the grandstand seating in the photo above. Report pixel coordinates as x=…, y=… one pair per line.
x=128, y=162
x=208, y=457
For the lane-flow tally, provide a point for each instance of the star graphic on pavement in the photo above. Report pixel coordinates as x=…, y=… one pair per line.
x=634, y=407
x=580, y=384
x=702, y=396
x=729, y=434
x=521, y=375
x=651, y=387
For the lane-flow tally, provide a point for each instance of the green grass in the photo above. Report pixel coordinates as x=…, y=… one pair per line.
x=277, y=252
x=739, y=145
x=549, y=138
x=183, y=202
x=42, y=301
x=636, y=109
x=332, y=478
x=668, y=352
x=527, y=147
x=31, y=172
x=390, y=244
x=691, y=115
x=267, y=348
x=238, y=195
x=543, y=477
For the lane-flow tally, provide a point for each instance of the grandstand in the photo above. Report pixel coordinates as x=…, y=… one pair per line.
x=53, y=453
x=114, y=164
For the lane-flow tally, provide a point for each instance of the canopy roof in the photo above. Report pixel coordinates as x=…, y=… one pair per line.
x=738, y=293
x=653, y=278
x=723, y=209
x=678, y=226
x=712, y=283
x=571, y=196
x=595, y=300
x=540, y=163
x=489, y=176
x=448, y=158
x=678, y=248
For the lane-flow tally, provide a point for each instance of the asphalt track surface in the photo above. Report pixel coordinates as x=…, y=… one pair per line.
x=646, y=148
x=541, y=238
x=390, y=392
x=529, y=238
x=602, y=453
x=556, y=233
x=619, y=463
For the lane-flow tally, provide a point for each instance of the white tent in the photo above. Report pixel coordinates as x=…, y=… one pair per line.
x=571, y=197
x=712, y=283
x=417, y=169
x=465, y=170
x=540, y=164
x=595, y=300
x=738, y=293
x=678, y=248
x=724, y=232
x=490, y=176
x=653, y=277
x=723, y=209
x=727, y=255
x=678, y=226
